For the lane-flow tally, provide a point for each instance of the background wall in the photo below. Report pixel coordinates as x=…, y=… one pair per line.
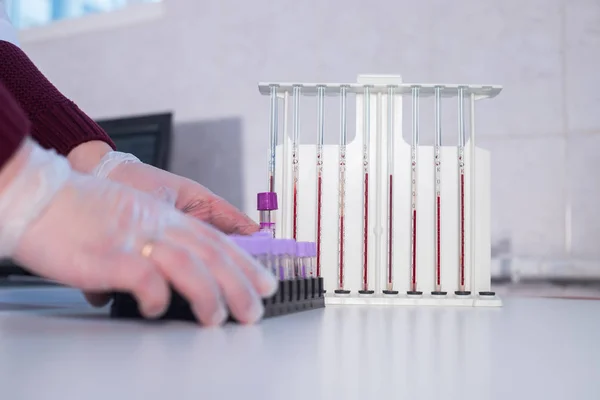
x=202, y=59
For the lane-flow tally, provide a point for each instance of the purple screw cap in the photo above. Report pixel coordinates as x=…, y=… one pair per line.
x=266, y=201
x=301, y=250
x=278, y=247
x=262, y=234
x=290, y=247
x=262, y=245
x=311, y=249
x=243, y=242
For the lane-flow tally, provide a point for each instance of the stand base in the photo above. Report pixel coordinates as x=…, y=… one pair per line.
x=462, y=293
x=365, y=292
x=342, y=291
x=423, y=300
x=291, y=297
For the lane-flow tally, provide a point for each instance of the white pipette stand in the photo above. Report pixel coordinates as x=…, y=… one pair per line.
x=476, y=211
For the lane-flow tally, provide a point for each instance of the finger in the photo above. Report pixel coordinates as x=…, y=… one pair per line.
x=97, y=299
x=259, y=275
x=239, y=293
x=192, y=279
x=133, y=273
x=222, y=215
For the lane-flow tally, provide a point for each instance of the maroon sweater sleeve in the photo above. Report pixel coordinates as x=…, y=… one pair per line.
x=56, y=121
x=14, y=126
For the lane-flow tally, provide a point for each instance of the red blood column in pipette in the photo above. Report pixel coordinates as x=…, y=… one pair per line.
x=413, y=181
x=320, y=141
x=461, y=194
x=342, y=193
x=438, y=196
x=366, y=158
x=390, y=198
x=295, y=159
x=274, y=121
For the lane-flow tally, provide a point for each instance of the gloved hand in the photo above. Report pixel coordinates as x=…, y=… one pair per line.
x=187, y=195
x=100, y=236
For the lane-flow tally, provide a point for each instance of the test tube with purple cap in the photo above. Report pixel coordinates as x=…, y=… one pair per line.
x=291, y=252
x=267, y=205
x=301, y=260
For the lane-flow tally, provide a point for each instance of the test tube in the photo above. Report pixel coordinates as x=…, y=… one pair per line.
x=291, y=255
x=320, y=142
x=390, y=192
x=438, y=201
x=414, y=148
x=278, y=250
x=311, y=255
x=461, y=193
x=342, y=192
x=301, y=264
x=274, y=125
x=267, y=205
x=366, y=138
x=295, y=158
x=262, y=250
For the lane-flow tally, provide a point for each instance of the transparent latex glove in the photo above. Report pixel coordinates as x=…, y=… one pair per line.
x=187, y=195
x=101, y=236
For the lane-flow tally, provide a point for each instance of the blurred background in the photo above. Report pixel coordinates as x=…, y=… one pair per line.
x=176, y=81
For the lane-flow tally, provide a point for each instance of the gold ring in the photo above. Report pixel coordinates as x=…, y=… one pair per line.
x=147, y=249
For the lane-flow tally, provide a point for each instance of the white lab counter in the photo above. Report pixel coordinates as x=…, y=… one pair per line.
x=52, y=346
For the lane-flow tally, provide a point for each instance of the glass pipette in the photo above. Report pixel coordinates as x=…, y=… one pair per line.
x=414, y=148
x=461, y=193
x=438, y=201
x=390, y=191
x=295, y=158
x=320, y=141
x=366, y=138
x=273, y=137
x=342, y=192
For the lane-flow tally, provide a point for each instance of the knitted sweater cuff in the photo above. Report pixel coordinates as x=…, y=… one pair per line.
x=14, y=126
x=57, y=122
x=63, y=126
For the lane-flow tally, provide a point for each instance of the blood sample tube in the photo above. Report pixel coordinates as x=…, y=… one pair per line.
x=266, y=205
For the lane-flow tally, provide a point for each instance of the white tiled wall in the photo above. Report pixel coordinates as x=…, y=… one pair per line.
x=203, y=59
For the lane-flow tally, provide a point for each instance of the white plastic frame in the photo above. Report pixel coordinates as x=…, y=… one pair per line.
x=477, y=200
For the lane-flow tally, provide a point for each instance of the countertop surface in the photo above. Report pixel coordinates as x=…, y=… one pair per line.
x=53, y=346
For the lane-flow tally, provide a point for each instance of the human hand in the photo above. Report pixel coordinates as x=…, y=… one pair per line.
x=101, y=236
x=188, y=196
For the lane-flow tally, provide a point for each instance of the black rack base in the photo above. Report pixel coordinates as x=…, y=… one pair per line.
x=292, y=296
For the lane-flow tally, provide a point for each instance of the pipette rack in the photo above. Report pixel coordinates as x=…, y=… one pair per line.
x=476, y=289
